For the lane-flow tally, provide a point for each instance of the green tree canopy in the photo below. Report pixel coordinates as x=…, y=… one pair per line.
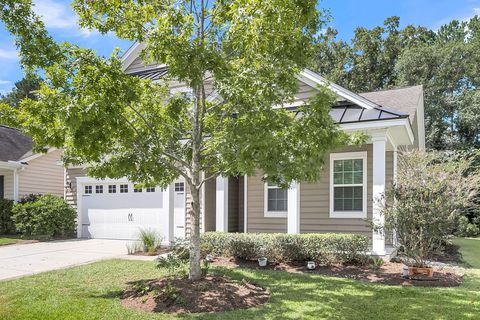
x=23, y=89
x=239, y=58
x=445, y=62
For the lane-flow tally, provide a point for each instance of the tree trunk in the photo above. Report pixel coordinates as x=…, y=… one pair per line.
x=195, y=272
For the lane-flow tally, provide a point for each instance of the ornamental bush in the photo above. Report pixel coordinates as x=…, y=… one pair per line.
x=281, y=247
x=424, y=205
x=6, y=223
x=46, y=216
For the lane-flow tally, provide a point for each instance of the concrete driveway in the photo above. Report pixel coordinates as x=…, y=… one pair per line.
x=25, y=259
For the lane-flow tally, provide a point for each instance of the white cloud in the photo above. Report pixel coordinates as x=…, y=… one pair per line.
x=8, y=54
x=2, y=82
x=58, y=15
x=464, y=17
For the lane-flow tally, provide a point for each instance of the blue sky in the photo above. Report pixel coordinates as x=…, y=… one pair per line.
x=347, y=15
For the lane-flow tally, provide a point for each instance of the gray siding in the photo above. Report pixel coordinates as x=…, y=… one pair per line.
x=210, y=202
x=314, y=203
x=139, y=65
x=233, y=204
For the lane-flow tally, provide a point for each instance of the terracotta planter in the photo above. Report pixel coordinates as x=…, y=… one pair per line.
x=428, y=271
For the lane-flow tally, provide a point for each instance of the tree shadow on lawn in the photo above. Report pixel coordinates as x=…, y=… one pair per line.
x=317, y=297
x=303, y=296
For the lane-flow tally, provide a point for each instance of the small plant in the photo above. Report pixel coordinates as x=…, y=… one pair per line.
x=172, y=263
x=133, y=247
x=173, y=294
x=205, y=267
x=141, y=288
x=375, y=263
x=150, y=240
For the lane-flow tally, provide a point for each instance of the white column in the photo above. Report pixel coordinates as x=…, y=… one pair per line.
x=15, y=185
x=221, y=204
x=79, y=188
x=245, y=204
x=379, y=150
x=293, y=213
x=169, y=212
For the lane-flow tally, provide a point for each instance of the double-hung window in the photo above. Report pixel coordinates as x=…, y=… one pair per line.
x=348, y=185
x=276, y=201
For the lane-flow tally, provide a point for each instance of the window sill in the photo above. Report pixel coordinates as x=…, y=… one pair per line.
x=348, y=215
x=275, y=214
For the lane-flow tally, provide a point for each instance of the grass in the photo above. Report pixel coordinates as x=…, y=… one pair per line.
x=92, y=292
x=470, y=249
x=7, y=240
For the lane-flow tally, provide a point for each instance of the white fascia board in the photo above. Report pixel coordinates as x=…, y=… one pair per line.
x=131, y=54
x=314, y=80
x=37, y=155
x=378, y=124
x=10, y=165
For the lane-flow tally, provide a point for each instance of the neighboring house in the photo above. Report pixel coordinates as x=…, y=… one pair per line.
x=23, y=172
x=352, y=180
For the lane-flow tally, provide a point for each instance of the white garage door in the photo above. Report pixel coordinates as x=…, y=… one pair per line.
x=120, y=211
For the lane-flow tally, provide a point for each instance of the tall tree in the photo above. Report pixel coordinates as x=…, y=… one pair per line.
x=23, y=89
x=445, y=62
x=246, y=52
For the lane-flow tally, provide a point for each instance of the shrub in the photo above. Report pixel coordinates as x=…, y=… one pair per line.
x=6, y=223
x=322, y=248
x=150, y=240
x=48, y=216
x=422, y=208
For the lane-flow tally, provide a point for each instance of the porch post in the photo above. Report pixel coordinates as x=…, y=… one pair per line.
x=221, y=206
x=168, y=207
x=15, y=185
x=379, y=150
x=293, y=213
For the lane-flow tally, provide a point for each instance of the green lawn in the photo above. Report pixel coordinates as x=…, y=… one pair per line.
x=7, y=240
x=470, y=249
x=91, y=292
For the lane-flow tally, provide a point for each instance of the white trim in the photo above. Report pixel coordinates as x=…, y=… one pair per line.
x=221, y=204
x=380, y=124
x=11, y=165
x=169, y=208
x=202, y=204
x=293, y=218
x=315, y=80
x=37, y=155
x=245, y=204
x=106, y=180
x=15, y=184
x=131, y=54
x=271, y=214
x=349, y=156
x=79, y=192
x=378, y=189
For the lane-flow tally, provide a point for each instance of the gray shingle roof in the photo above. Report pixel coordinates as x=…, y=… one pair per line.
x=13, y=144
x=401, y=99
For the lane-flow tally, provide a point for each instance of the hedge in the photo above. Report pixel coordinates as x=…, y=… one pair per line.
x=44, y=215
x=6, y=223
x=323, y=248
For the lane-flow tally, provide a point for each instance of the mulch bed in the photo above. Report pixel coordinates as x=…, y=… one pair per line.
x=389, y=273
x=179, y=295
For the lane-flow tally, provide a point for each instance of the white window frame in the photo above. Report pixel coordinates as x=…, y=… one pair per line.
x=350, y=156
x=272, y=214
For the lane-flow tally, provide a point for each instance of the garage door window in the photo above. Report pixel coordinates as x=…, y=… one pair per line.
x=137, y=189
x=88, y=189
x=150, y=189
x=98, y=189
x=179, y=187
x=112, y=188
x=124, y=188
